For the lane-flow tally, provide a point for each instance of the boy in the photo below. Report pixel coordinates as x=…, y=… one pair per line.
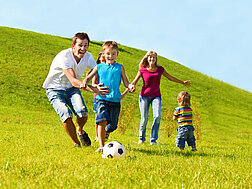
x=110, y=74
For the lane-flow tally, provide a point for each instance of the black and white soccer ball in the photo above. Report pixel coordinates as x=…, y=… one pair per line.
x=114, y=150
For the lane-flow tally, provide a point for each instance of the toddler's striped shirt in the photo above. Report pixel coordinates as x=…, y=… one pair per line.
x=184, y=115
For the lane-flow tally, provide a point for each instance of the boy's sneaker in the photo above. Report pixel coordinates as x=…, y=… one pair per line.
x=99, y=150
x=194, y=149
x=77, y=146
x=106, y=136
x=85, y=140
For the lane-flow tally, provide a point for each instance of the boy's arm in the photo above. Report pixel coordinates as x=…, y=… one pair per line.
x=134, y=82
x=174, y=79
x=126, y=82
x=94, y=80
x=96, y=88
x=89, y=77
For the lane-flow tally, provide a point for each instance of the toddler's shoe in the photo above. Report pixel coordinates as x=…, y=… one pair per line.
x=194, y=149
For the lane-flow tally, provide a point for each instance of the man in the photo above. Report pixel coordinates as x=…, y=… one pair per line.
x=63, y=83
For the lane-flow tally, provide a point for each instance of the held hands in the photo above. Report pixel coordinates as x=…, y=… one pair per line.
x=131, y=87
x=187, y=83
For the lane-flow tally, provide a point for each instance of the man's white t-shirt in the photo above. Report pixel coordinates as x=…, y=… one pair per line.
x=56, y=78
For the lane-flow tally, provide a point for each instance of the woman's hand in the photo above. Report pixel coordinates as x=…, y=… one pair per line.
x=187, y=83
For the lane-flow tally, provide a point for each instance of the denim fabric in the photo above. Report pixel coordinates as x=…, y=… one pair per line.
x=63, y=101
x=144, y=104
x=94, y=106
x=108, y=111
x=185, y=133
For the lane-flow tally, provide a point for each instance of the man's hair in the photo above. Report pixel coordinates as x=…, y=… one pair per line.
x=80, y=35
x=111, y=44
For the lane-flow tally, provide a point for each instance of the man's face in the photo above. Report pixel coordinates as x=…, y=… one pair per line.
x=80, y=48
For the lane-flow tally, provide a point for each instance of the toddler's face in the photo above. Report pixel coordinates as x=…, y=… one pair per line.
x=110, y=55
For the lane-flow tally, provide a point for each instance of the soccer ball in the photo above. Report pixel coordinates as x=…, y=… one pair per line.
x=114, y=150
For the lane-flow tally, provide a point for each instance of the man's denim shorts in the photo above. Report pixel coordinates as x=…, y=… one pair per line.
x=63, y=101
x=185, y=133
x=108, y=111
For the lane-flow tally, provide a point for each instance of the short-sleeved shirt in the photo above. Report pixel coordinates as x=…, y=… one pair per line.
x=56, y=78
x=110, y=76
x=151, y=82
x=184, y=115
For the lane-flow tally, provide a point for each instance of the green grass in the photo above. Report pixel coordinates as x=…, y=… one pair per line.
x=35, y=151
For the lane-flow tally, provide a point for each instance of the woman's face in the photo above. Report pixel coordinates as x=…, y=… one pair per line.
x=152, y=59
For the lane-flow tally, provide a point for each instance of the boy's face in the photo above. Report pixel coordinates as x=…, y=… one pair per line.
x=110, y=55
x=80, y=48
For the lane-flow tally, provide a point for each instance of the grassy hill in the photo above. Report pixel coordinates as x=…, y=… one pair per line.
x=35, y=152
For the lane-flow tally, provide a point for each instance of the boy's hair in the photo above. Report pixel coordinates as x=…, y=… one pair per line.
x=184, y=99
x=80, y=35
x=144, y=61
x=111, y=44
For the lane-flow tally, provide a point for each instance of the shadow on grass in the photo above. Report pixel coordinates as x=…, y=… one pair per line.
x=161, y=151
x=168, y=152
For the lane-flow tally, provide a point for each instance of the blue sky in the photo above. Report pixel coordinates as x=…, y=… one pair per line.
x=213, y=37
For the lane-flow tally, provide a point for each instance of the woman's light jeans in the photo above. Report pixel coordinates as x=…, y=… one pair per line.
x=144, y=104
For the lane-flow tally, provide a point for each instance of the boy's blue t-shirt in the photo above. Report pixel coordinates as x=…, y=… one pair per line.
x=110, y=76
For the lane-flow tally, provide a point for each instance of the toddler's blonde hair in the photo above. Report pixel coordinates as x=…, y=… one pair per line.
x=184, y=99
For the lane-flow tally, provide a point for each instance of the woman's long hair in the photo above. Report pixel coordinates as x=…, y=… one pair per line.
x=144, y=62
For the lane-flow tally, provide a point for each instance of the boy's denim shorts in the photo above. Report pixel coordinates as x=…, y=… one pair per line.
x=63, y=101
x=185, y=133
x=108, y=111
